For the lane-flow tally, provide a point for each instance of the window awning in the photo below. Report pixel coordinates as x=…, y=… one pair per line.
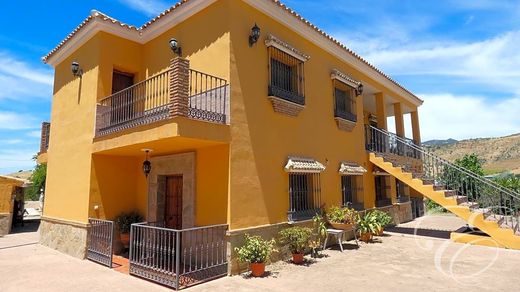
x=303, y=165
x=349, y=168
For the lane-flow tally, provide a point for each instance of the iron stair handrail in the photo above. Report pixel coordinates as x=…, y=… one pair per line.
x=491, y=197
x=414, y=146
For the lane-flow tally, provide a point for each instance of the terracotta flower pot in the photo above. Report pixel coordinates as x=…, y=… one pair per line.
x=257, y=269
x=125, y=239
x=365, y=236
x=297, y=258
x=380, y=231
x=341, y=226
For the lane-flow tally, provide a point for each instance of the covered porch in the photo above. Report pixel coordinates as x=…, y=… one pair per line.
x=183, y=202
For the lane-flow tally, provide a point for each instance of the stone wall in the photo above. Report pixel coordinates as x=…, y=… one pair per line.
x=401, y=212
x=5, y=223
x=67, y=237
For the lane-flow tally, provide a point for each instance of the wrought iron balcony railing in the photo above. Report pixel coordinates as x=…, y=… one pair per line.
x=175, y=92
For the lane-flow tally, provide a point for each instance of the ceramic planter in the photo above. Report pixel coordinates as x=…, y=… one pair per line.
x=342, y=226
x=297, y=258
x=365, y=236
x=125, y=239
x=257, y=269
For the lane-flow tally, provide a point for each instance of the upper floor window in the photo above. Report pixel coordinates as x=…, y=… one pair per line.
x=344, y=102
x=286, y=76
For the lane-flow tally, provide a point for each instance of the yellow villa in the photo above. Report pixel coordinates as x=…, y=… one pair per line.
x=220, y=118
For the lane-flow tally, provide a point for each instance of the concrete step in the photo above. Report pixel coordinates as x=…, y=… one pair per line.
x=450, y=193
x=428, y=181
x=461, y=199
x=486, y=212
x=473, y=206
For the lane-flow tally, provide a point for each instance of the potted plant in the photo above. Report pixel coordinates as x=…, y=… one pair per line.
x=367, y=226
x=319, y=233
x=342, y=218
x=383, y=219
x=123, y=222
x=297, y=240
x=256, y=252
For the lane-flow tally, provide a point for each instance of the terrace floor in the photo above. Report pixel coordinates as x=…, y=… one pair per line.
x=395, y=262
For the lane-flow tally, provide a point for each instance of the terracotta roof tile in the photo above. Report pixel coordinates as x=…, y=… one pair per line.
x=104, y=17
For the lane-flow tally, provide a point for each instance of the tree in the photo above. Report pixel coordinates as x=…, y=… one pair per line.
x=471, y=162
x=38, y=182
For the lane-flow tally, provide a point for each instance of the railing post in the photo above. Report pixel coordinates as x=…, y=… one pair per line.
x=179, y=87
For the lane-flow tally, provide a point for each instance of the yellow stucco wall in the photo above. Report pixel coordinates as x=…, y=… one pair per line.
x=263, y=139
x=7, y=188
x=242, y=183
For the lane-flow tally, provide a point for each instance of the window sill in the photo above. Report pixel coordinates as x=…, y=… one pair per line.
x=286, y=107
x=345, y=125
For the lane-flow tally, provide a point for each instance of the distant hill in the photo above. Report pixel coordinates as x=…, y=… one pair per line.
x=439, y=142
x=499, y=154
x=23, y=174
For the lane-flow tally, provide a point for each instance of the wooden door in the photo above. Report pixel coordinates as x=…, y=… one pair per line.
x=123, y=107
x=173, y=206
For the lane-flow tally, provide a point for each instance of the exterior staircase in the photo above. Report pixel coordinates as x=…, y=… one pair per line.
x=482, y=203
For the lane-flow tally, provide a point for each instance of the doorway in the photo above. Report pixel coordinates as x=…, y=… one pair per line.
x=123, y=107
x=173, y=202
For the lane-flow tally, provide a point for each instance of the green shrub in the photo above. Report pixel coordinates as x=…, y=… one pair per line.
x=342, y=215
x=431, y=206
x=255, y=249
x=124, y=220
x=382, y=218
x=296, y=238
x=368, y=223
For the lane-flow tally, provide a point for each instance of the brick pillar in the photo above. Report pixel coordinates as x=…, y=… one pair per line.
x=44, y=139
x=179, y=87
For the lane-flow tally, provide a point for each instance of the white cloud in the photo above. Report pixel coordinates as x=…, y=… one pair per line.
x=446, y=116
x=494, y=62
x=20, y=80
x=10, y=141
x=16, y=121
x=13, y=160
x=148, y=7
x=34, y=134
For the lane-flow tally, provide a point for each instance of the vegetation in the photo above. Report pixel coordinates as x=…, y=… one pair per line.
x=382, y=218
x=296, y=239
x=125, y=220
x=319, y=233
x=342, y=215
x=37, y=178
x=369, y=223
x=509, y=181
x=471, y=162
x=255, y=249
x=433, y=207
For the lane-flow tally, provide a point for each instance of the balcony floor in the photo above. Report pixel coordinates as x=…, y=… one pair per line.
x=168, y=136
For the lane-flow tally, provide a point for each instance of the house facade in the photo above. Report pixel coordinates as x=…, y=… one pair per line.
x=251, y=118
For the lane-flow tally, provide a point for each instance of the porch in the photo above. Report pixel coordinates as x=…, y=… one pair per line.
x=183, y=202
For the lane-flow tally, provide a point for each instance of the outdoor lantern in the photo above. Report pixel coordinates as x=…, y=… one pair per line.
x=147, y=165
x=174, y=45
x=76, y=70
x=359, y=89
x=255, y=35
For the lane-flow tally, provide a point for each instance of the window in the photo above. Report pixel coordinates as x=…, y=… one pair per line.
x=402, y=197
x=382, y=191
x=304, y=195
x=344, y=101
x=285, y=76
x=348, y=189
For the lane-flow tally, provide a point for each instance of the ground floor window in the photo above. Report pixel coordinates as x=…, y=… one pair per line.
x=401, y=190
x=304, y=195
x=382, y=191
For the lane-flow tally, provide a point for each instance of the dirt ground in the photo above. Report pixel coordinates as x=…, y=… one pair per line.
x=394, y=262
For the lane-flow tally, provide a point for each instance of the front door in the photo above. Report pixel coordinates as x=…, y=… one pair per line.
x=173, y=206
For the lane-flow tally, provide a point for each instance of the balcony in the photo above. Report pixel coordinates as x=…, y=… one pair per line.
x=177, y=92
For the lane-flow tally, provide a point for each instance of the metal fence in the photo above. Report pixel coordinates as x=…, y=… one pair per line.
x=178, y=258
x=480, y=194
x=99, y=244
x=150, y=101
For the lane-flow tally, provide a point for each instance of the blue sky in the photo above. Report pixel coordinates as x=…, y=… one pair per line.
x=461, y=57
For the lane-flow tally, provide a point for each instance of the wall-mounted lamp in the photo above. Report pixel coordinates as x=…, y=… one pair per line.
x=254, y=36
x=147, y=165
x=174, y=45
x=76, y=70
x=359, y=89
